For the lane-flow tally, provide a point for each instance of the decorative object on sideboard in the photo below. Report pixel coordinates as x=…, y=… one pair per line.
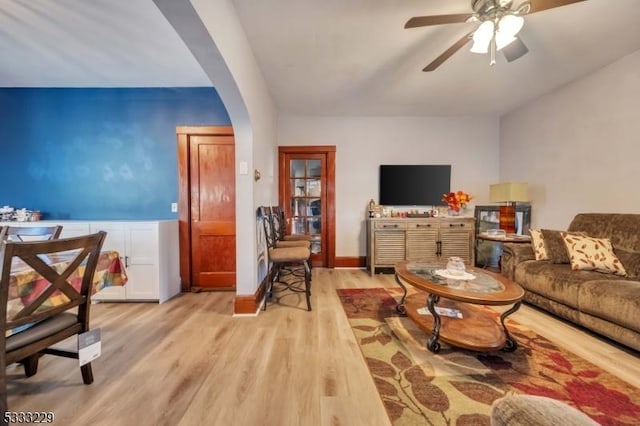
x=8, y=213
x=509, y=193
x=457, y=201
x=22, y=215
x=375, y=210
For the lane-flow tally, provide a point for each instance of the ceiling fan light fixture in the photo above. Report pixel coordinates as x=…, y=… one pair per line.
x=500, y=22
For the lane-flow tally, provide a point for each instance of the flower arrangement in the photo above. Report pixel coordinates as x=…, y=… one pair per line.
x=457, y=200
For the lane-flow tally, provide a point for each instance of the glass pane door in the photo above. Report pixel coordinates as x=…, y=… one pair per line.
x=306, y=191
x=305, y=187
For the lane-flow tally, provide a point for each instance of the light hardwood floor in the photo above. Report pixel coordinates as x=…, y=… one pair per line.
x=190, y=362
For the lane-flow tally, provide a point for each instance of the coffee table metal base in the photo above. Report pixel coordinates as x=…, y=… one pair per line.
x=479, y=329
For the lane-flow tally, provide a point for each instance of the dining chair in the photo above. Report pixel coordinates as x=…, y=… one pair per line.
x=32, y=233
x=284, y=257
x=56, y=311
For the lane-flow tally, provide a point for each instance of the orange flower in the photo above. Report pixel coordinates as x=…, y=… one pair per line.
x=456, y=200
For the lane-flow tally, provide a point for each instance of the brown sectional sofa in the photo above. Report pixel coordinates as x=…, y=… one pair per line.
x=604, y=303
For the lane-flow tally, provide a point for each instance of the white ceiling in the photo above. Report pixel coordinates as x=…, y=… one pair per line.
x=326, y=57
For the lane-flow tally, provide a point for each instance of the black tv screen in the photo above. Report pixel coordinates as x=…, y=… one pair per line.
x=413, y=185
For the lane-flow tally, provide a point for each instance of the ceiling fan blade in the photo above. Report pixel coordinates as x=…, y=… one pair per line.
x=448, y=53
x=514, y=50
x=539, y=5
x=423, y=21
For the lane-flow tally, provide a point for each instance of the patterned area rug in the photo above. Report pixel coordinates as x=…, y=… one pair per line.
x=457, y=387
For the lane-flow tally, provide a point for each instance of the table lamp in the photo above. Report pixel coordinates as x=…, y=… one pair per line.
x=508, y=193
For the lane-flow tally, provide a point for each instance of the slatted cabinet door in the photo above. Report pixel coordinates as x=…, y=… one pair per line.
x=389, y=243
x=422, y=241
x=456, y=239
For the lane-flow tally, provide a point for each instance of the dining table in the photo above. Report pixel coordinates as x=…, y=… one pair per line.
x=26, y=284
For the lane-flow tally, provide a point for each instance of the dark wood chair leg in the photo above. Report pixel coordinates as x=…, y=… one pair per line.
x=30, y=364
x=87, y=374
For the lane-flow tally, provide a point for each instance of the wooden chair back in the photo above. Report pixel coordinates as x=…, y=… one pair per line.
x=279, y=222
x=57, y=309
x=32, y=233
x=267, y=223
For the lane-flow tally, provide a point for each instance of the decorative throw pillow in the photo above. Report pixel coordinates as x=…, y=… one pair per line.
x=537, y=243
x=554, y=245
x=589, y=254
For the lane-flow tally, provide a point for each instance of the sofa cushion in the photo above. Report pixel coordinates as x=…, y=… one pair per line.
x=537, y=244
x=592, y=254
x=558, y=282
x=554, y=244
x=630, y=260
x=617, y=301
x=620, y=228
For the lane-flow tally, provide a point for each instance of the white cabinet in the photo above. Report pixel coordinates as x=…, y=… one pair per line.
x=74, y=229
x=149, y=251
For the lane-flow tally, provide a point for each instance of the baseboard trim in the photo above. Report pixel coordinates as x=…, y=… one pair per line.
x=248, y=304
x=351, y=262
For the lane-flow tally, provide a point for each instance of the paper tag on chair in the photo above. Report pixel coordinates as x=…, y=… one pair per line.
x=89, y=347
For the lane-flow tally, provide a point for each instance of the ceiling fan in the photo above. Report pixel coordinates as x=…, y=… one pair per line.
x=498, y=29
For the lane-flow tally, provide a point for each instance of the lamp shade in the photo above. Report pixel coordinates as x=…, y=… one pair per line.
x=509, y=192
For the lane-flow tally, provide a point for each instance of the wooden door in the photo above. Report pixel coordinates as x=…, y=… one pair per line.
x=207, y=208
x=307, y=195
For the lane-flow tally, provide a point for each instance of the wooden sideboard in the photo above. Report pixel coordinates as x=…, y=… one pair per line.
x=433, y=239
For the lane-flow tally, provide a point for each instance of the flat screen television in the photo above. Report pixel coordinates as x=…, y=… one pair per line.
x=413, y=185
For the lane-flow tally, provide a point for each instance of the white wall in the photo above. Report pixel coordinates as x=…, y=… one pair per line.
x=578, y=147
x=469, y=144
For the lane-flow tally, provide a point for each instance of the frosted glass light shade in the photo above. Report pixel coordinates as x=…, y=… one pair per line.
x=510, y=25
x=482, y=37
x=503, y=40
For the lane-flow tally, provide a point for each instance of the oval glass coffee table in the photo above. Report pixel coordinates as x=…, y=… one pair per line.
x=451, y=309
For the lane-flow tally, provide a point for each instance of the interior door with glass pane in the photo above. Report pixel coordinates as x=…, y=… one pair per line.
x=303, y=195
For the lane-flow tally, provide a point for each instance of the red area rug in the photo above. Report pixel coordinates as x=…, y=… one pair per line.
x=457, y=387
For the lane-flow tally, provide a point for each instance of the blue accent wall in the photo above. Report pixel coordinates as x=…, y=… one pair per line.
x=94, y=153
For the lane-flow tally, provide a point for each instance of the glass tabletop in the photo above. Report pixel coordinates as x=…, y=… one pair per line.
x=437, y=274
